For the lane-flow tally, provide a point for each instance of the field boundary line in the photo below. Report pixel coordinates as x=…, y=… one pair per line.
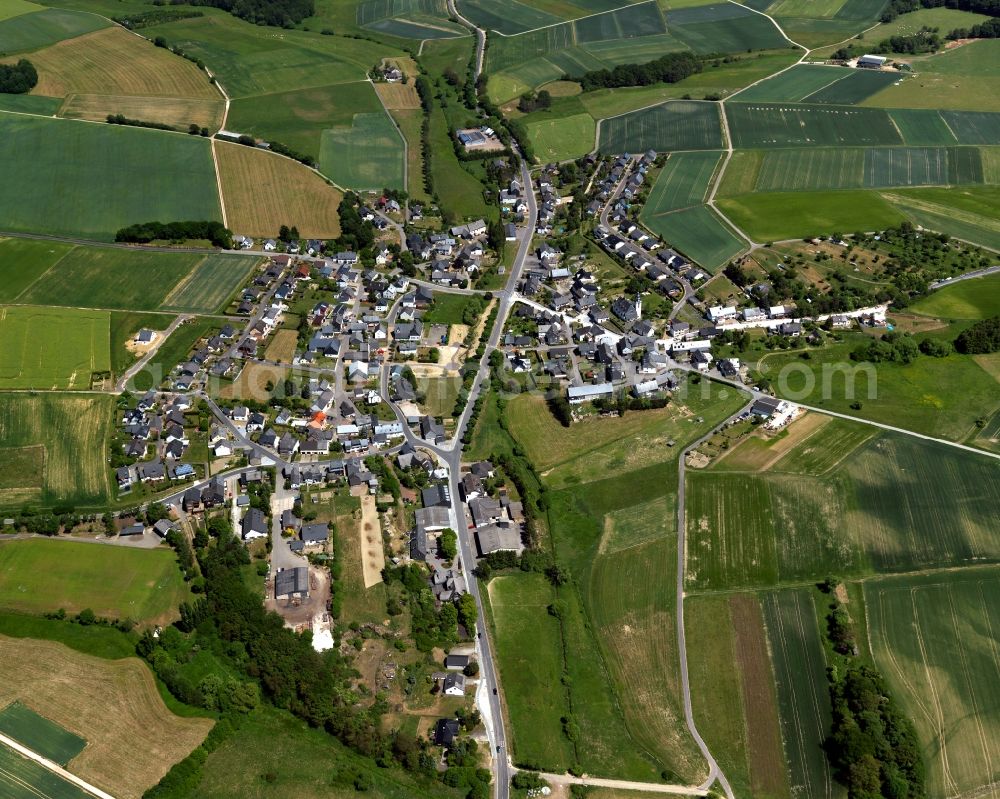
x=402, y=138
x=31, y=285
x=938, y=714
x=184, y=281
x=55, y=768
x=577, y=19
x=774, y=22
x=977, y=712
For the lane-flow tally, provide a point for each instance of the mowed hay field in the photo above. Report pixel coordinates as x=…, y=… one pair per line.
x=41, y=575
x=132, y=738
x=263, y=191
x=52, y=348
x=934, y=637
x=114, y=71
x=65, y=437
x=62, y=161
x=892, y=504
x=177, y=111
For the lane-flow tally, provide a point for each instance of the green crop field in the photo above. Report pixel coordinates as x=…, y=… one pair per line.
x=100, y=277
x=23, y=261
x=251, y=60
x=298, y=118
x=968, y=299
x=895, y=504
x=65, y=437
x=723, y=28
x=44, y=27
x=973, y=127
x=778, y=216
x=793, y=85
x=775, y=125
x=677, y=125
x=122, y=582
x=367, y=155
x=531, y=664
x=39, y=734
x=563, y=139
x=14, y=8
x=64, y=162
x=871, y=167
x=409, y=19
x=21, y=778
x=817, y=83
x=932, y=636
x=683, y=182
x=505, y=16
x=210, y=284
x=803, y=699
x=700, y=234
x=854, y=88
x=49, y=348
x=922, y=127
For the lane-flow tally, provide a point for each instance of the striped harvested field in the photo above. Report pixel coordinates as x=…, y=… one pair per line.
x=263, y=191
x=114, y=61
x=177, y=111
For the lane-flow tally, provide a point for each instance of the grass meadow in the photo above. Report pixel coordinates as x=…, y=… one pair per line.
x=294, y=196
x=124, y=326
x=974, y=299
x=113, y=705
x=367, y=155
x=951, y=79
x=50, y=348
x=610, y=532
x=940, y=397
x=300, y=763
x=118, y=581
x=44, y=27
x=63, y=161
x=933, y=637
x=776, y=216
x=563, y=138
x=66, y=437
x=530, y=654
x=298, y=118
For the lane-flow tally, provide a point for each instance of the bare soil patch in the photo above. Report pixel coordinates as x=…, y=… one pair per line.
x=370, y=532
